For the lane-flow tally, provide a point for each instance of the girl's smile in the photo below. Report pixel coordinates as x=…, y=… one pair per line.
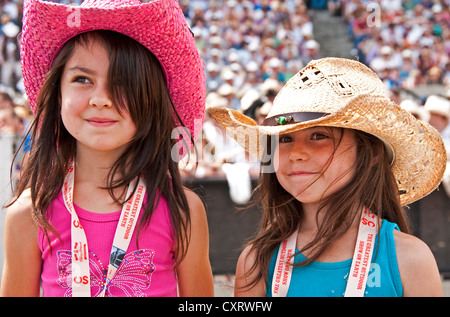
x=101, y=122
x=301, y=173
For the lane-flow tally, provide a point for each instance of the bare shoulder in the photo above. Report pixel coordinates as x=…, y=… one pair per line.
x=246, y=261
x=193, y=199
x=196, y=207
x=199, y=224
x=19, y=222
x=418, y=269
x=411, y=251
x=20, y=212
x=20, y=240
x=194, y=271
x=246, y=271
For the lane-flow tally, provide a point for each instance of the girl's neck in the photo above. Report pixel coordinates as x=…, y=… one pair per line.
x=340, y=249
x=93, y=167
x=91, y=179
x=311, y=221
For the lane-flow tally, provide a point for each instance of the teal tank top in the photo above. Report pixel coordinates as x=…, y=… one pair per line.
x=320, y=279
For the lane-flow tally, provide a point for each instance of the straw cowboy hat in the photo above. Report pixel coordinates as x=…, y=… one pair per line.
x=159, y=25
x=416, y=110
x=338, y=92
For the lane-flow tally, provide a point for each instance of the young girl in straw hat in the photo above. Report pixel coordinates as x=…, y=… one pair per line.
x=101, y=210
x=344, y=160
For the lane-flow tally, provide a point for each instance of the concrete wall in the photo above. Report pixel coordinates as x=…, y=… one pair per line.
x=229, y=227
x=431, y=220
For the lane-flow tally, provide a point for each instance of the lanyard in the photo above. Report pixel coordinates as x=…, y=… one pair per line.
x=81, y=286
x=360, y=264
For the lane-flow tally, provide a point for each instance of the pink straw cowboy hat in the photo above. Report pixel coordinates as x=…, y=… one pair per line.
x=337, y=92
x=159, y=25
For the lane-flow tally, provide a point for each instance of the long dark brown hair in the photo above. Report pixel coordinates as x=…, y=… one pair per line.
x=137, y=84
x=373, y=186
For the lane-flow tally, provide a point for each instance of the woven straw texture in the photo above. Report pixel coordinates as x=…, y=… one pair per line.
x=159, y=25
x=355, y=98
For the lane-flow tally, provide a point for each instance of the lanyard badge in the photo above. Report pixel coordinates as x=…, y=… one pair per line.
x=80, y=253
x=359, y=271
x=362, y=256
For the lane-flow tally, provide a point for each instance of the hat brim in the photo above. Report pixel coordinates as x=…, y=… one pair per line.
x=160, y=26
x=419, y=153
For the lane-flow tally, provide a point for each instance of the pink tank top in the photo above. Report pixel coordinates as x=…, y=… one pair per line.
x=147, y=271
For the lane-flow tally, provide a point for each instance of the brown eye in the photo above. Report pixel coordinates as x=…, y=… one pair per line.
x=318, y=136
x=285, y=139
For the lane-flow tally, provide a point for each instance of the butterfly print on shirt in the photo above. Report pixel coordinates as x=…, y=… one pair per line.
x=132, y=278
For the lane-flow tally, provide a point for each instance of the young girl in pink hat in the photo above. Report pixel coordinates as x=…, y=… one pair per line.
x=338, y=162
x=100, y=209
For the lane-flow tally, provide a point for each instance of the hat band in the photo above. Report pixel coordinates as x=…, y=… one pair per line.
x=293, y=117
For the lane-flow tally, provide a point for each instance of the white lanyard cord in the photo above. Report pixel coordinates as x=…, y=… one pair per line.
x=283, y=267
x=80, y=253
x=362, y=257
x=359, y=270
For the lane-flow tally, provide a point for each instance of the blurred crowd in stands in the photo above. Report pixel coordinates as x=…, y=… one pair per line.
x=408, y=46
x=251, y=48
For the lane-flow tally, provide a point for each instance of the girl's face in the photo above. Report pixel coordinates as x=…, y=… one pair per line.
x=306, y=166
x=87, y=110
